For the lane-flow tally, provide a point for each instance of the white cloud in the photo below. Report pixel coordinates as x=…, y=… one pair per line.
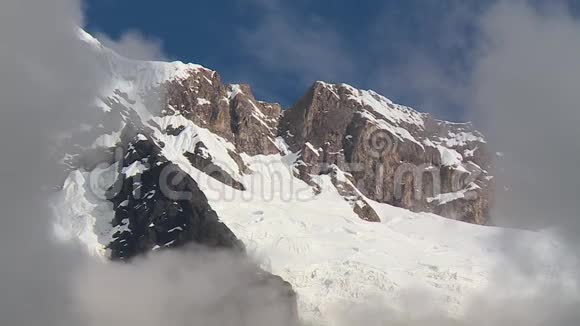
x=134, y=45
x=525, y=90
x=305, y=47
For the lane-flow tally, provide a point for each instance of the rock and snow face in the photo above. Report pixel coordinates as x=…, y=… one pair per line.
x=391, y=153
x=283, y=186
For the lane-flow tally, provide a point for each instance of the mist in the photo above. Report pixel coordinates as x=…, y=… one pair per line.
x=44, y=76
x=525, y=94
x=134, y=45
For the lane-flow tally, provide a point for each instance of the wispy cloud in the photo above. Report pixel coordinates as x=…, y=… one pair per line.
x=303, y=46
x=525, y=92
x=394, y=59
x=428, y=60
x=132, y=44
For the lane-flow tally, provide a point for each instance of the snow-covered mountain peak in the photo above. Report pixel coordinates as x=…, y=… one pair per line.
x=343, y=193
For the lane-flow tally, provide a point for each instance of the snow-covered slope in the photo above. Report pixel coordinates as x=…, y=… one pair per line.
x=335, y=260
x=310, y=237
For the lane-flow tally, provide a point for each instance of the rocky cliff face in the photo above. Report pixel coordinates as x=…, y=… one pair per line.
x=373, y=148
x=230, y=111
x=157, y=206
x=391, y=153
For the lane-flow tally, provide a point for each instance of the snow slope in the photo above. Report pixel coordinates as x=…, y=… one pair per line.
x=336, y=260
x=333, y=259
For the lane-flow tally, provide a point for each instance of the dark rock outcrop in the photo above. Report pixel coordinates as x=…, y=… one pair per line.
x=159, y=207
x=162, y=206
x=203, y=161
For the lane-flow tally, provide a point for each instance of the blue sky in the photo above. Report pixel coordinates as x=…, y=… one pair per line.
x=416, y=52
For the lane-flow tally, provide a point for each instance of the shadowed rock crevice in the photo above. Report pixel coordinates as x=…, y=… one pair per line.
x=203, y=161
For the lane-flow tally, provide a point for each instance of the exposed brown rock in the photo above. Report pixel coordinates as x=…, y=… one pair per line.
x=254, y=123
x=393, y=154
x=230, y=111
x=330, y=125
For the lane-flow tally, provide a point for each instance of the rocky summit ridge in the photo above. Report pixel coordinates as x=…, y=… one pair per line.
x=372, y=147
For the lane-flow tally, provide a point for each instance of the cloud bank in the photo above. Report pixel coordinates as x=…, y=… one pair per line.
x=525, y=94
